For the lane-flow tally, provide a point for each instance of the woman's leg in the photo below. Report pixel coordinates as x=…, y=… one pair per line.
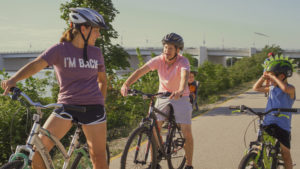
x=189, y=142
x=57, y=127
x=96, y=140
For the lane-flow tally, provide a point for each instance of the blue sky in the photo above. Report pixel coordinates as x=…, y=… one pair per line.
x=36, y=24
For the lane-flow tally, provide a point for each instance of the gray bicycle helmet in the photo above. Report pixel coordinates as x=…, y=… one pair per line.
x=174, y=39
x=87, y=16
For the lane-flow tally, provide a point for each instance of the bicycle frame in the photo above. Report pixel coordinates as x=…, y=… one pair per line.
x=34, y=143
x=151, y=115
x=35, y=140
x=263, y=141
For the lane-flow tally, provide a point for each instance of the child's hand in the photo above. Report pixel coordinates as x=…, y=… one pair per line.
x=269, y=75
x=265, y=76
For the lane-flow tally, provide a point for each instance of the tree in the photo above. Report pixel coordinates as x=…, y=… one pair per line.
x=230, y=61
x=193, y=61
x=114, y=55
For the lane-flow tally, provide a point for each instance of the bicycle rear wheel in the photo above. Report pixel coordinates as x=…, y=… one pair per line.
x=249, y=161
x=18, y=164
x=140, y=150
x=85, y=163
x=175, y=149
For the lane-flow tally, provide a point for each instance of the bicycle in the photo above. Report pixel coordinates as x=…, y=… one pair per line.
x=143, y=139
x=22, y=158
x=264, y=153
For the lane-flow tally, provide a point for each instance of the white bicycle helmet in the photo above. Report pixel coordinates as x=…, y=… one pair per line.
x=87, y=16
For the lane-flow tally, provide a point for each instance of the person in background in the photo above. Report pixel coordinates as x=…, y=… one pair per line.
x=270, y=54
x=193, y=86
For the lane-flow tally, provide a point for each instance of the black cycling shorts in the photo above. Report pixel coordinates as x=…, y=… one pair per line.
x=283, y=136
x=95, y=114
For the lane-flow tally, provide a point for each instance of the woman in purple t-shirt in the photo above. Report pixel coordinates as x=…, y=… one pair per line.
x=80, y=71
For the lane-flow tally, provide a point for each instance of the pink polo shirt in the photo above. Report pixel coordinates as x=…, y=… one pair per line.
x=169, y=75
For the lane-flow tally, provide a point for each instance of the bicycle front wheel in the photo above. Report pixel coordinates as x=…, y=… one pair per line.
x=85, y=164
x=249, y=161
x=140, y=150
x=18, y=164
x=175, y=149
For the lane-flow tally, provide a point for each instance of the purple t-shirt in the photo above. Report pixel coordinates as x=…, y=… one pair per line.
x=77, y=80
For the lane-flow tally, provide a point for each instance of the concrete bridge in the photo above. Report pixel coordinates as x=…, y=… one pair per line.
x=13, y=61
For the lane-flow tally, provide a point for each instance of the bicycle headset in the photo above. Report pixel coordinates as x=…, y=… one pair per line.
x=87, y=17
x=174, y=39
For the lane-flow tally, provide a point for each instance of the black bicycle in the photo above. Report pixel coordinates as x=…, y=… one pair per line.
x=264, y=153
x=142, y=150
x=22, y=157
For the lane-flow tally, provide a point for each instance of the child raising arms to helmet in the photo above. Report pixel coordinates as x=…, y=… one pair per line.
x=281, y=95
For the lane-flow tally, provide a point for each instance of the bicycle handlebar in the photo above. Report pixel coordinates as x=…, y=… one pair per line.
x=16, y=93
x=244, y=108
x=133, y=92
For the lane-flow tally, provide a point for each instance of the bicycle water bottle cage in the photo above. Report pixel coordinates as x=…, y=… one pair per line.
x=179, y=142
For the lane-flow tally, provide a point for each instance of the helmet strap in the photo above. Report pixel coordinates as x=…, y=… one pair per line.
x=173, y=57
x=85, y=57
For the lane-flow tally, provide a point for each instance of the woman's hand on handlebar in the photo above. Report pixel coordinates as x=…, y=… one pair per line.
x=176, y=95
x=124, y=90
x=6, y=85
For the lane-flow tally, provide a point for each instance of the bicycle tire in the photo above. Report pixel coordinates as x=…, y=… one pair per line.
x=107, y=154
x=175, y=149
x=248, y=162
x=79, y=156
x=18, y=164
x=140, y=140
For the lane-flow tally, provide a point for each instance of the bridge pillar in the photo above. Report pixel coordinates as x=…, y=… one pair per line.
x=252, y=51
x=202, y=55
x=1, y=62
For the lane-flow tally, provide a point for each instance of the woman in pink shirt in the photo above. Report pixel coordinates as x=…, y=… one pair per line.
x=173, y=71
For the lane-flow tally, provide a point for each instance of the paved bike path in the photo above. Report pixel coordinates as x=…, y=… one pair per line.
x=219, y=135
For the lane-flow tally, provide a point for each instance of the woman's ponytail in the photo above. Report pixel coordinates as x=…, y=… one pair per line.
x=68, y=35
